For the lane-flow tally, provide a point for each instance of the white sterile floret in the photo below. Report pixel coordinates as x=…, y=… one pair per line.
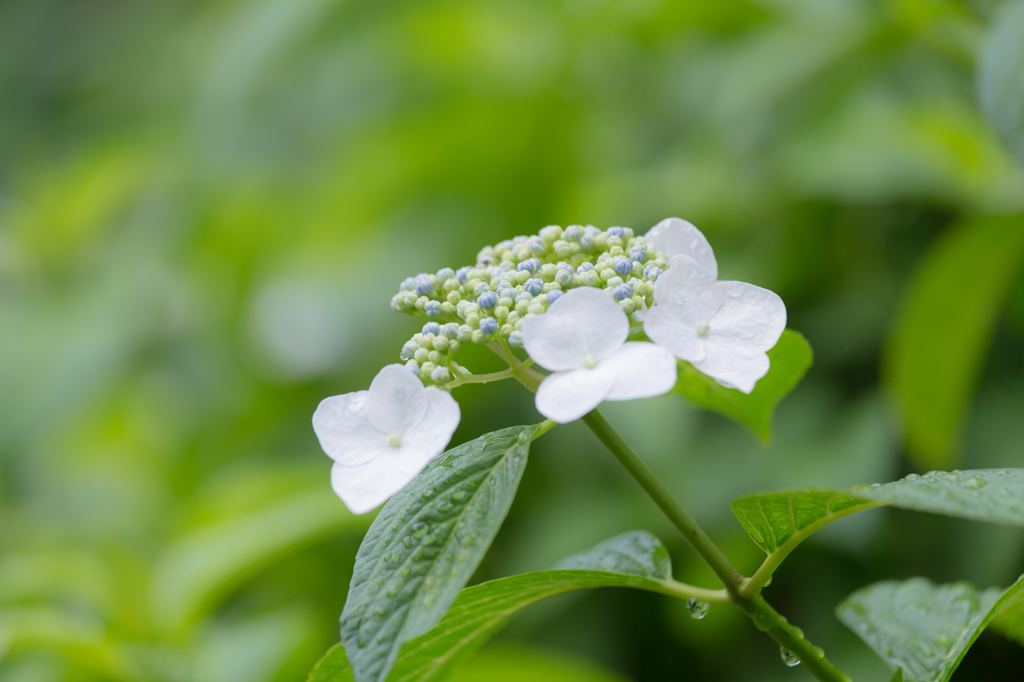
x=675, y=236
x=381, y=438
x=581, y=339
x=722, y=328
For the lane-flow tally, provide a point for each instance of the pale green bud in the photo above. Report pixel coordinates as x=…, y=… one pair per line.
x=440, y=375
x=448, y=309
x=613, y=241
x=547, y=272
x=454, y=346
x=506, y=302
x=465, y=333
x=522, y=306
x=451, y=285
x=563, y=249
x=616, y=251
x=521, y=253
x=607, y=274
x=426, y=368
x=513, y=317
x=441, y=344
x=627, y=306
x=505, y=330
x=435, y=357
x=550, y=233
x=522, y=276
x=501, y=312
x=473, y=320
x=536, y=308
x=614, y=282
x=421, y=303
x=454, y=297
x=414, y=367
x=600, y=242
x=590, y=278
x=422, y=355
x=479, y=336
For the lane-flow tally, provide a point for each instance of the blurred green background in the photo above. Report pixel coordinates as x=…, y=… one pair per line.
x=206, y=206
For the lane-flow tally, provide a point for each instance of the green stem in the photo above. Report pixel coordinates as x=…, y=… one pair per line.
x=764, y=616
x=481, y=378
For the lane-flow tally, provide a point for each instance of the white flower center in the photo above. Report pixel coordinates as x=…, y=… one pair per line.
x=394, y=440
x=703, y=328
x=590, y=362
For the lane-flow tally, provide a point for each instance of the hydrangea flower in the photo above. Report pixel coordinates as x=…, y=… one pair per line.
x=675, y=236
x=381, y=438
x=581, y=339
x=722, y=328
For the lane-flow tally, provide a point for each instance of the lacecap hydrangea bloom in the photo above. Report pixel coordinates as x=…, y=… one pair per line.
x=568, y=297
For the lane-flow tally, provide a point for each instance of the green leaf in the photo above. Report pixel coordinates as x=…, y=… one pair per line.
x=990, y=495
x=944, y=329
x=1009, y=620
x=482, y=610
x=790, y=359
x=779, y=521
x=1001, y=77
x=898, y=677
x=520, y=663
x=425, y=544
x=924, y=629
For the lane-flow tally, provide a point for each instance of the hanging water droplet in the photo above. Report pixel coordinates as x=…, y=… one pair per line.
x=697, y=608
x=768, y=582
x=788, y=657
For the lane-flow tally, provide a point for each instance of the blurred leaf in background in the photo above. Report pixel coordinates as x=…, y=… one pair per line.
x=204, y=211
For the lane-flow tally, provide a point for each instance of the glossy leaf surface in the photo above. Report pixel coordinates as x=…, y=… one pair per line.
x=425, y=544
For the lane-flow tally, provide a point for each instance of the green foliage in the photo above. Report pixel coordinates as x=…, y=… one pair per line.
x=922, y=628
x=1001, y=76
x=527, y=664
x=1009, y=618
x=778, y=522
x=425, y=544
x=790, y=359
x=945, y=328
x=481, y=610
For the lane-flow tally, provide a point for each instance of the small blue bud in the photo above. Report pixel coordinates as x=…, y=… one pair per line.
x=408, y=284
x=616, y=232
x=445, y=274
x=648, y=268
x=450, y=331
x=462, y=274
x=515, y=339
x=409, y=350
x=523, y=296
x=554, y=295
x=534, y=286
x=424, y=287
x=536, y=246
x=572, y=233
x=652, y=273
x=440, y=375
x=488, y=325
x=432, y=328
x=413, y=367
x=481, y=289
x=432, y=308
x=638, y=253
x=622, y=266
x=587, y=241
x=584, y=267
x=530, y=265
x=622, y=291
x=488, y=300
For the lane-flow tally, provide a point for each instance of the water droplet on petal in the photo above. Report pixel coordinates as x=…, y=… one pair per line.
x=697, y=608
x=788, y=657
x=974, y=483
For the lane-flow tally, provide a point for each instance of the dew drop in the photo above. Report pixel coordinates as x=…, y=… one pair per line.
x=788, y=657
x=445, y=507
x=768, y=582
x=943, y=640
x=912, y=477
x=419, y=529
x=697, y=608
x=407, y=541
x=458, y=494
x=974, y=483
x=427, y=493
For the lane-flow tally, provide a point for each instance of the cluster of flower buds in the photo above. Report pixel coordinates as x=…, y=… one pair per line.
x=516, y=279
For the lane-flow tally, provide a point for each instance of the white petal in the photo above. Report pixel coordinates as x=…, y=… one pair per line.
x=667, y=328
x=429, y=439
x=397, y=401
x=733, y=363
x=567, y=396
x=749, y=314
x=370, y=484
x=675, y=236
x=688, y=289
x=641, y=370
x=585, y=321
x=344, y=432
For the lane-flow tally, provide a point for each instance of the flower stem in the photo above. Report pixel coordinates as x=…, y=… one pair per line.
x=765, y=618
x=481, y=378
